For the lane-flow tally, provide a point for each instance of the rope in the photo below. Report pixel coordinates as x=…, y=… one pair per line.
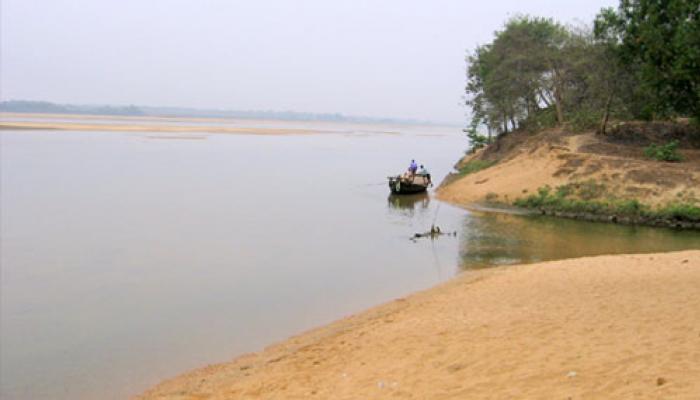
x=437, y=210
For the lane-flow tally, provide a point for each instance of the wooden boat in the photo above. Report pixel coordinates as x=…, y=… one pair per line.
x=408, y=184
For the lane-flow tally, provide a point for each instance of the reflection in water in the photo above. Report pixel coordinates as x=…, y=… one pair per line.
x=409, y=203
x=491, y=239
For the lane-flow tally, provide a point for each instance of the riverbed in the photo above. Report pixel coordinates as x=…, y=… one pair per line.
x=130, y=257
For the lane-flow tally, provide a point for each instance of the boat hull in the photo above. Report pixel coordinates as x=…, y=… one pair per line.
x=399, y=185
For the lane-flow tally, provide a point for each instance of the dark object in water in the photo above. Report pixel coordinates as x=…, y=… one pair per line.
x=433, y=233
x=409, y=184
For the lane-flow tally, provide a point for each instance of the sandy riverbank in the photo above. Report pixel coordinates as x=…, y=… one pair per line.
x=522, y=165
x=602, y=327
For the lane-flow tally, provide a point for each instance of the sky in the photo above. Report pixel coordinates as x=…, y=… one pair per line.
x=381, y=58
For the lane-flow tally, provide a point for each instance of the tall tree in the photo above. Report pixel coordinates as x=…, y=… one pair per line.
x=660, y=39
x=522, y=72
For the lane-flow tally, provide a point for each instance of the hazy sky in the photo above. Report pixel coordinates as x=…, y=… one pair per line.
x=395, y=58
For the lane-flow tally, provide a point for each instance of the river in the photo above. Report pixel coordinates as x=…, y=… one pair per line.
x=128, y=258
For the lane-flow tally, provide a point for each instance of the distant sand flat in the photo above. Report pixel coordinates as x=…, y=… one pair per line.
x=610, y=327
x=114, y=117
x=69, y=126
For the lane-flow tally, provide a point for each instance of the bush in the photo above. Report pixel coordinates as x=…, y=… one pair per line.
x=474, y=166
x=564, y=190
x=630, y=207
x=667, y=152
x=560, y=201
x=583, y=119
x=681, y=211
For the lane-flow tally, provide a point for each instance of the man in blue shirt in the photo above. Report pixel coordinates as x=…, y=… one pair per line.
x=413, y=167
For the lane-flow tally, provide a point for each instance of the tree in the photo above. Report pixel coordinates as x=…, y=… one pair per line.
x=659, y=40
x=522, y=72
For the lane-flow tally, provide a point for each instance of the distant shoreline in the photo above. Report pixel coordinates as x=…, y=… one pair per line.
x=91, y=122
x=37, y=115
x=45, y=107
x=57, y=126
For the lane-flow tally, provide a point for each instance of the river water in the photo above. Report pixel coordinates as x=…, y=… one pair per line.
x=128, y=258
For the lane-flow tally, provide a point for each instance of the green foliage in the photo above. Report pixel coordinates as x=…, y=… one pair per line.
x=659, y=41
x=640, y=61
x=543, y=192
x=474, y=166
x=519, y=74
x=667, y=152
x=567, y=198
x=476, y=140
x=630, y=207
x=681, y=211
x=564, y=190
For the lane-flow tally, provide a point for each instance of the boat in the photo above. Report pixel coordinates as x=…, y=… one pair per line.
x=402, y=184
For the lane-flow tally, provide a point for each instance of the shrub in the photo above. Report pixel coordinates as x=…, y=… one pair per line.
x=681, y=211
x=564, y=190
x=476, y=140
x=629, y=207
x=559, y=201
x=667, y=152
x=474, y=166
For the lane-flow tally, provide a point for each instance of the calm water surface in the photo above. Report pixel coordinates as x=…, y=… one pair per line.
x=129, y=258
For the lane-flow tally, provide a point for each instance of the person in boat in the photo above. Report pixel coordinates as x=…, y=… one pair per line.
x=413, y=168
x=424, y=172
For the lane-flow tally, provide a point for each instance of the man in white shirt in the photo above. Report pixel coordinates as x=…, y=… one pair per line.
x=424, y=172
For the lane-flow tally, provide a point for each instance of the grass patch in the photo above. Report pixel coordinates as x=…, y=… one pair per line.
x=576, y=198
x=474, y=166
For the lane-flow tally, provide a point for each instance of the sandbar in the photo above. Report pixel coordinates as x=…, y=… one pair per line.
x=94, y=127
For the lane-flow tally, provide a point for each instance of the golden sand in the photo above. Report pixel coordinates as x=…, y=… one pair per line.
x=532, y=167
x=610, y=327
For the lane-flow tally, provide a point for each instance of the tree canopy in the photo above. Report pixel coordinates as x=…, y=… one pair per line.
x=640, y=61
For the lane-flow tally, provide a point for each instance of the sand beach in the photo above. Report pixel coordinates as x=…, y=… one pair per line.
x=605, y=327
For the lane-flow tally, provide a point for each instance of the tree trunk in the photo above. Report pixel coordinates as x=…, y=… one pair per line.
x=557, y=105
x=606, y=115
x=558, y=98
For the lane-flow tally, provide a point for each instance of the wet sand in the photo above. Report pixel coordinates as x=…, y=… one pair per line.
x=599, y=327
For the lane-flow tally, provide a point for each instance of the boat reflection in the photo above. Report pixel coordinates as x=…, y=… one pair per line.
x=409, y=201
x=408, y=205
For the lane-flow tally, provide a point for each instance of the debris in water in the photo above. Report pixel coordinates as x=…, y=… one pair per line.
x=433, y=233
